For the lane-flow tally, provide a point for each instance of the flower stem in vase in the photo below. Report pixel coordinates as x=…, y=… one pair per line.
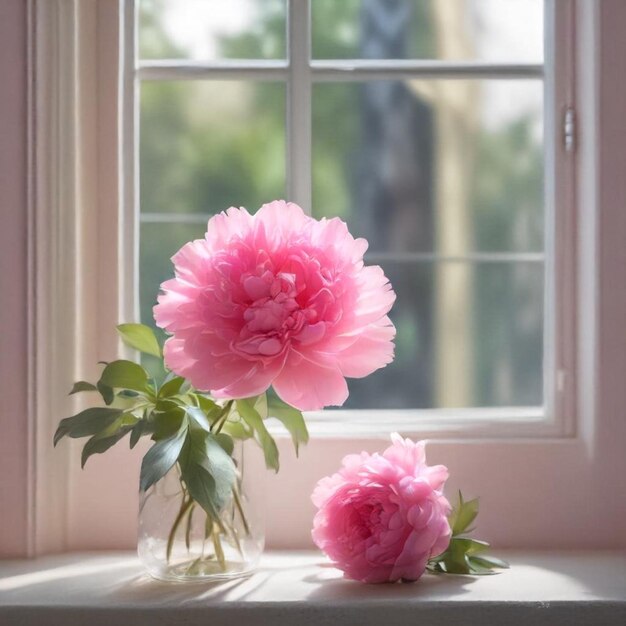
x=239, y=506
x=213, y=529
x=184, y=507
x=188, y=528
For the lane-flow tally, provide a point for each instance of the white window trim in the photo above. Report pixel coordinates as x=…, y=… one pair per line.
x=557, y=416
x=517, y=472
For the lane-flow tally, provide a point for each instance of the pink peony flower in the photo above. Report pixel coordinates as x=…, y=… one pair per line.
x=276, y=298
x=382, y=517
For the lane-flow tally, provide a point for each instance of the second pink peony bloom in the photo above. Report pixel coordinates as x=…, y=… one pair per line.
x=381, y=517
x=276, y=299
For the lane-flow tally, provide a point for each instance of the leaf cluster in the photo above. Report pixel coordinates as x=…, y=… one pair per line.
x=188, y=427
x=465, y=555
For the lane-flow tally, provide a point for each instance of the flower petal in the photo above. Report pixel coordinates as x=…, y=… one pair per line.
x=372, y=350
x=310, y=387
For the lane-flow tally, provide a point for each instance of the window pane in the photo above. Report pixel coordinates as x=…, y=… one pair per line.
x=208, y=145
x=158, y=242
x=445, y=166
x=490, y=30
x=468, y=336
x=208, y=30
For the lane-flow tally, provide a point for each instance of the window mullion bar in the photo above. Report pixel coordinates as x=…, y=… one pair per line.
x=468, y=257
x=128, y=140
x=189, y=70
x=299, y=105
x=347, y=70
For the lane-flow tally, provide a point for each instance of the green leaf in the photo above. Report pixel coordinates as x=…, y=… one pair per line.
x=210, y=408
x=469, y=546
x=106, y=392
x=251, y=416
x=463, y=554
x=462, y=515
x=292, y=420
x=238, y=430
x=222, y=467
x=208, y=471
x=171, y=387
x=144, y=426
x=226, y=441
x=98, y=444
x=461, y=558
x=168, y=418
x=261, y=406
x=454, y=559
x=103, y=441
x=127, y=393
x=82, y=385
x=86, y=423
x=140, y=337
x=488, y=562
x=125, y=375
x=137, y=432
x=161, y=458
x=478, y=570
x=199, y=417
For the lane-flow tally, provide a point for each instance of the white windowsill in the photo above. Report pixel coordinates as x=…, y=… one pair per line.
x=299, y=588
x=468, y=423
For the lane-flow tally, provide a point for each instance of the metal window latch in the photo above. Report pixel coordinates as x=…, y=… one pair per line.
x=569, y=129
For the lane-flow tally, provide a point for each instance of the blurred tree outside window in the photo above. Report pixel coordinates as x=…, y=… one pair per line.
x=443, y=176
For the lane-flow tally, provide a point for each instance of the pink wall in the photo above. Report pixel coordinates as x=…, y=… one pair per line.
x=611, y=162
x=13, y=323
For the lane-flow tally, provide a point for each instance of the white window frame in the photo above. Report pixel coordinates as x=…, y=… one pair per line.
x=536, y=490
x=299, y=72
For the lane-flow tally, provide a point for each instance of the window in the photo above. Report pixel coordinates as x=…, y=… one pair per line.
x=420, y=123
x=82, y=240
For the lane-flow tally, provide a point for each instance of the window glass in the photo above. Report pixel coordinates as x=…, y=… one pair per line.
x=452, y=30
x=448, y=166
x=208, y=145
x=210, y=30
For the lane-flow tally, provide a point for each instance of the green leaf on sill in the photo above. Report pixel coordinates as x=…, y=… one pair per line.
x=465, y=555
x=462, y=515
x=140, y=337
x=489, y=562
x=460, y=558
x=470, y=546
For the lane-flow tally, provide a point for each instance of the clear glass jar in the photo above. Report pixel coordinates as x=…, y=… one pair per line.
x=177, y=541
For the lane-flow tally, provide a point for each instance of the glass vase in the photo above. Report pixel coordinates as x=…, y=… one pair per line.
x=178, y=541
